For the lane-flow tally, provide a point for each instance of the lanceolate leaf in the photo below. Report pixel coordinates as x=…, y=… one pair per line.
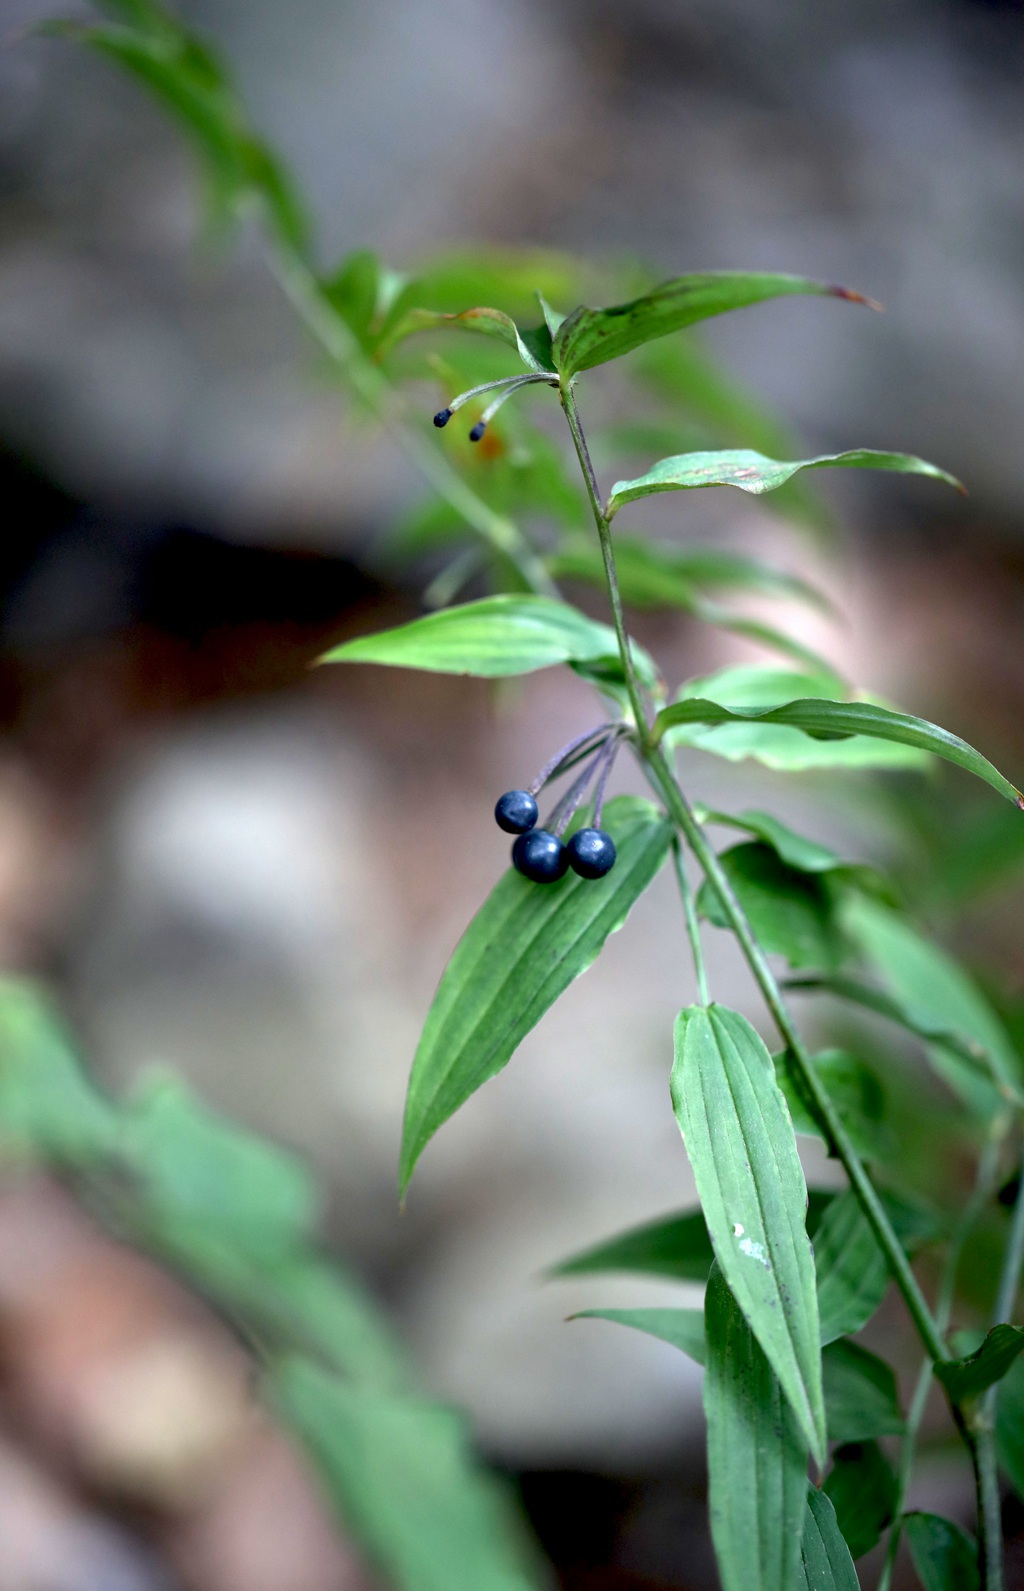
x=825, y=1562
x=740, y=1142
x=757, y=1455
x=836, y=720
x=524, y=947
x=945, y=1556
x=860, y=1394
x=591, y=337
x=862, y=1489
x=683, y=1328
x=752, y=472
x=968, y=1378
x=494, y=637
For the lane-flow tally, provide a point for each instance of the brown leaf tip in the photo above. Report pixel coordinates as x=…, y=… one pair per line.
x=853, y=297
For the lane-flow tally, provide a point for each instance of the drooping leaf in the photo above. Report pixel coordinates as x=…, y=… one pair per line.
x=757, y=1454
x=945, y=1556
x=862, y=1489
x=524, y=947
x=1010, y=1426
x=741, y=1146
x=836, y=720
x=399, y=1472
x=532, y=344
x=590, y=337
x=851, y=1269
x=752, y=472
x=860, y=1394
x=969, y=1377
x=825, y=1562
x=775, y=745
x=938, y=998
x=682, y=1328
x=854, y=1091
x=491, y=638
x=791, y=912
x=677, y=1246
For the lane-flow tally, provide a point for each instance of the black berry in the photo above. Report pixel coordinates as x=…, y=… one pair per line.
x=540, y=856
x=591, y=853
x=515, y=811
x=441, y=418
x=478, y=431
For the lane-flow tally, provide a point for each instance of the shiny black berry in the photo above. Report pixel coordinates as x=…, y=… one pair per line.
x=441, y=418
x=540, y=856
x=515, y=811
x=591, y=853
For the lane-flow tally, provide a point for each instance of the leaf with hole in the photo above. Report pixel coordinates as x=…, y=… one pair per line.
x=522, y=950
x=757, y=1454
x=945, y=1556
x=754, y=473
x=590, y=337
x=740, y=1143
x=492, y=638
x=837, y=720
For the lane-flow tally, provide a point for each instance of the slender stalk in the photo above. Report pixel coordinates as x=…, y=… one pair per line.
x=568, y=400
x=692, y=925
x=369, y=382
x=984, y=1185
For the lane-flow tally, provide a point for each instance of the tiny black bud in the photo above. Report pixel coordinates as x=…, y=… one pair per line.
x=441, y=418
x=478, y=431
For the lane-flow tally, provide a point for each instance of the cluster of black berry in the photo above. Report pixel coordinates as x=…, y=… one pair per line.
x=540, y=854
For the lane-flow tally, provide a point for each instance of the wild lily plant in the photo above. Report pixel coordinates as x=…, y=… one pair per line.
x=810, y=1451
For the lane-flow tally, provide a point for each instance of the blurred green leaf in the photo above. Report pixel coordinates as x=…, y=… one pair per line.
x=590, y=337
x=791, y=912
x=682, y=1328
x=740, y=1143
x=47, y=1106
x=945, y=1556
x=652, y=574
x=532, y=344
x=401, y=1476
x=969, y=1377
x=854, y=1091
x=860, y=1394
x=757, y=1455
x=774, y=745
x=752, y=472
x=521, y=951
x=862, y=1489
x=1010, y=1426
x=491, y=638
x=835, y=720
x=792, y=848
x=825, y=1562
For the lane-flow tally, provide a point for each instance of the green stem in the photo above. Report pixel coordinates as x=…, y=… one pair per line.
x=604, y=534
x=692, y=925
x=372, y=386
x=984, y=1184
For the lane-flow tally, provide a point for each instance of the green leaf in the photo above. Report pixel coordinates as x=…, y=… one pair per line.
x=678, y=1247
x=757, y=1455
x=491, y=638
x=524, y=947
x=945, y=1556
x=752, y=472
x=533, y=344
x=969, y=1377
x=194, y=1165
x=792, y=848
x=860, y=1394
x=862, y=1489
x=854, y=1091
x=590, y=337
x=825, y=1561
x=791, y=912
x=775, y=746
x=653, y=575
x=400, y=1474
x=683, y=1328
x=1010, y=1425
x=740, y=1142
x=937, y=999
x=833, y=719
x=851, y=1269
x=48, y=1108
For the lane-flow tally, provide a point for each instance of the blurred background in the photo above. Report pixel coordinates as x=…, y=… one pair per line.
x=253, y=873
